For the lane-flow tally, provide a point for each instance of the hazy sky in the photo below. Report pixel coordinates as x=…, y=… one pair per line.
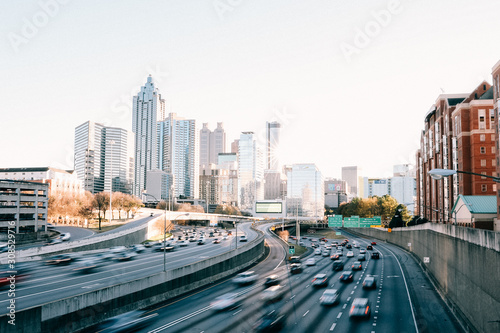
x=351, y=81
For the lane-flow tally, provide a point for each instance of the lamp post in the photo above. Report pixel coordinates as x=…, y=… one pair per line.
x=439, y=174
x=164, y=231
x=236, y=233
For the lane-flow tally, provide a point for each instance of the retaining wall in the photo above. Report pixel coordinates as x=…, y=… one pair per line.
x=464, y=264
x=84, y=310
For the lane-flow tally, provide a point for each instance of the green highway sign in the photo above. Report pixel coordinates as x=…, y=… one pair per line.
x=291, y=249
x=338, y=233
x=351, y=222
x=367, y=222
x=335, y=221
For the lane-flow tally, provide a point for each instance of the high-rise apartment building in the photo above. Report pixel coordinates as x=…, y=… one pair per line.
x=305, y=191
x=104, y=158
x=212, y=143
x=250, y=172
x=272, y=145
x=147, y=109
x=177, y=152
x=496, y=109
x=459, y=134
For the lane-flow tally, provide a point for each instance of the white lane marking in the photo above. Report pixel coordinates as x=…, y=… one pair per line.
x=340, y=315
x=345, y=305
x=333, y=326
x=305, y=314
x=237, y=312
x=352, y=292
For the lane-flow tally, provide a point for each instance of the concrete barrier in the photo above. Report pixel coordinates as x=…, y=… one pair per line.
x=84, y=310
x=464, y=264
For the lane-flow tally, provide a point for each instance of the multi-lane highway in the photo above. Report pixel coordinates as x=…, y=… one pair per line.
x=392, y=308
x=46, y=283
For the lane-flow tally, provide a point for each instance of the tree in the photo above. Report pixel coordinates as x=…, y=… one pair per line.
x=101, y=202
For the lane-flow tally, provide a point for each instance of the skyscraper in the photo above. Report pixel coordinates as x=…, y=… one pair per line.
x=250, y=172
x=104, y=156
x=178, y=154
x=352, y=175
x=148, y=108
x=272, y=145
x=211, y=144
x=305, y=191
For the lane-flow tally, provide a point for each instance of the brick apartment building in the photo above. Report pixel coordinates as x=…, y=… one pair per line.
x=459, y=134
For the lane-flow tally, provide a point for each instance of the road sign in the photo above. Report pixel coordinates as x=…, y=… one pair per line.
x=291, y=249
x=367, y=222
x=338, y=233
x=351, y=222
x=335, y=221
x=426, y=260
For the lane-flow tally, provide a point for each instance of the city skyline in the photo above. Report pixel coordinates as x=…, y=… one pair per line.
x=349, y=82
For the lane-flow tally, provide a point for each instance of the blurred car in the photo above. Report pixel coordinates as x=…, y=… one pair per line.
x=338, y=265
x=216, y=241
x=350, y=254
x=224, y=237
x=310, y=262
x=138, y=248
x=304, y=237
x=117, y=249
x=65, y=237
x=293, y=237
x=314, y=245
x=271, y=280
x=356, y=245
x=348, y=246
x=294, y=259
x=245, y=278
x=148, y=244
x=4, y=247
x=201, y=241
x=375, y=255
x=320, y=280
x=183, y=243
x=336, y=256
x=127, y=322
x=362, y=251
x=369, y=282
x=374, y=243
x=54, y=241
x=339, y=253
x=243, y=238
x=317, y=252
x=124, y=256
x=86, y=266
x=301, y=243
x=60, y=259
x=158, y=247
x=5, y=277
x=225, y=302
x=369, y=247
x=360, y=308
x=323, y=239
x=104, y=256
x=50, y=226
x=329, y=297
x=270, y=322
x=325, y=253
x=272, y=294
x=295, y=268
x=346, y=276
x=361, y=257
x=356, y=266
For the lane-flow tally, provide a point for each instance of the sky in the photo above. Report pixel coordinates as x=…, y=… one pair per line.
x=350, y=81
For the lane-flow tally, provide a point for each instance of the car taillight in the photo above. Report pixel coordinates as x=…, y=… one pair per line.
x=313, y=280
x=367, y=308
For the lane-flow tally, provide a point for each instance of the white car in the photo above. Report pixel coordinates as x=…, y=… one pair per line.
x=65, y=237
x=356, y=245
x=272, y=294
x=183, y=243
x=317, y=252
x=311, y=261
x=226, y=301
x=350, y=254
x=245, y=278
x=243, y=238
x=362, y=251
x=326, y=253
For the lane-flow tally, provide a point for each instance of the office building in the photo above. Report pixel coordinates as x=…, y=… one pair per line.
x=104, y=156
x=158, y=185
x=305, y=191
x=352, y=175
x=148, y=109
x=178, y=154
x=250, y=172
x=212, y=143
x=272, y=146
x=335, y=192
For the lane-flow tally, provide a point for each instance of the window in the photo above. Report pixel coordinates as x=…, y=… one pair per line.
x=483, y=173
x=482, y=138
x=483, y=163
x=493, y=137
x=492, y=150
x=484, y=188
x=482, y=124
x=483, y=150
x=493, y=162
x=492, y=115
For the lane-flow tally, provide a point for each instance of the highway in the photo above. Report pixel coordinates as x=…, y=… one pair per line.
x=391, y=307
x=48, y=283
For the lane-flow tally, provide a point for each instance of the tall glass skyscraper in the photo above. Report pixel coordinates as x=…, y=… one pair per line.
x=211, y=144
x=148, y=108
x=272, y=145
x=305, y=191
x=178, y=154
x=104, y=158
x=250, y=172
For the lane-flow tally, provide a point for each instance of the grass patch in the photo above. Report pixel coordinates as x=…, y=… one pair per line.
x=299, y=250
x=103, y=228
x=330, y=234
x=159, y=237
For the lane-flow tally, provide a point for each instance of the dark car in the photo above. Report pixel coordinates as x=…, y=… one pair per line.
x=60, y=259
x=338, y=265
x=370, y=282
x=270, y=322
x=348, y=246
x=336, y=256
x=5, y=276
x=374, y=243
x=361, y=257
x=346, y=276
x=356, y=266
x=320, y=280
x=369, y=247
x=127, y=322
x=271, y=280
x=375, y=255
x=295, y=268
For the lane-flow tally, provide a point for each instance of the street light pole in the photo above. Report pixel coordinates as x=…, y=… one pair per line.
x=111, y=143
